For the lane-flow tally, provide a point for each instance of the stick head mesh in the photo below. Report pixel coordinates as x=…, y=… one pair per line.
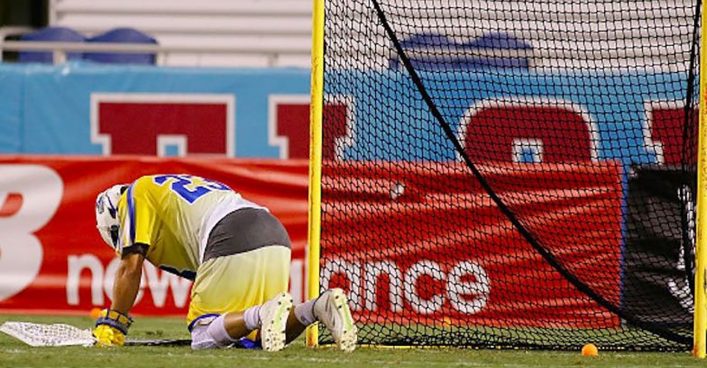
x=56, y=334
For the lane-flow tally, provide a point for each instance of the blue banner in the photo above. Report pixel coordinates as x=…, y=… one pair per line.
x=11, y=113
x=81, y=108
x=619, y=109
x=48, y=109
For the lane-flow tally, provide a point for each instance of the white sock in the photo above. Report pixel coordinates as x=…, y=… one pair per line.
x=217, y=331
x=251, y=317
x=305, y=312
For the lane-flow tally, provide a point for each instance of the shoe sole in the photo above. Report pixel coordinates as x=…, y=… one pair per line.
x=272, y=332
x=349, y=332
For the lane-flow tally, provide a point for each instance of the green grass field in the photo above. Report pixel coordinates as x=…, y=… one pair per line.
x=14, y=353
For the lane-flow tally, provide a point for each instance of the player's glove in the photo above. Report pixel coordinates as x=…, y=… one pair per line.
x=111, y=328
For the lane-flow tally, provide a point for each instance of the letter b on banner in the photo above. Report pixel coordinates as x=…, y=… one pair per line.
x=29, y=197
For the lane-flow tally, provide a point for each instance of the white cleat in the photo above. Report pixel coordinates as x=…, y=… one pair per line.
x=273, y=321
x=332, y=309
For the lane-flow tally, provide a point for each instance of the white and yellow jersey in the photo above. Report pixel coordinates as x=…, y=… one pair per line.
x=173, y=215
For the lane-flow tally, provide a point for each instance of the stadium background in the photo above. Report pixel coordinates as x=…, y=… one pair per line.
x=69, y=129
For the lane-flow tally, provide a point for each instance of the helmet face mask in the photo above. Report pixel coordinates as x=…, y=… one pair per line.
x=107, y=221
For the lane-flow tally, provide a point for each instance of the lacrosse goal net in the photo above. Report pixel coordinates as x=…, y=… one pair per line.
x=507, y=173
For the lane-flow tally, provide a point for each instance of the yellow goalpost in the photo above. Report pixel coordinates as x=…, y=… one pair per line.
x=700, y=318
x=315, y=159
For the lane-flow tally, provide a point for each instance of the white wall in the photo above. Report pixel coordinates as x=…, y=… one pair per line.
x=261, y=32
x=565, y=34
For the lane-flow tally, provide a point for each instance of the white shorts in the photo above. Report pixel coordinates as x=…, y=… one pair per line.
x=201, y=339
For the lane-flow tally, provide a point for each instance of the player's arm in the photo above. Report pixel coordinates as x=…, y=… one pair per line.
x=127, y=281
x=113, y=323
x=136, y=231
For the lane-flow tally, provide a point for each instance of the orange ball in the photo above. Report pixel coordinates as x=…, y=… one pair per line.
x=95, y=312
x=590, y=350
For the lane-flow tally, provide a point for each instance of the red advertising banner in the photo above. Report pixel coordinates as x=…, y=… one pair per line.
x=53, y=260
x=425, y=242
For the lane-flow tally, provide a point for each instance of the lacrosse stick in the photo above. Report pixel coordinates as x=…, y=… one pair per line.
x=59, y=334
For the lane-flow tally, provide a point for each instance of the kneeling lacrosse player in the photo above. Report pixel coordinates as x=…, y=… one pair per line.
x=236, y=252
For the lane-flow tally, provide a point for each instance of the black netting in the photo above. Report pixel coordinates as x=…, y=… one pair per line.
x=511, y=173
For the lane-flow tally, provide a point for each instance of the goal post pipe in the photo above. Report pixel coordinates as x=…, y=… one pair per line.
x=315, y=160
x=700, y=317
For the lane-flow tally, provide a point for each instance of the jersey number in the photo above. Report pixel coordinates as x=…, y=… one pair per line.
x=190, y=187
